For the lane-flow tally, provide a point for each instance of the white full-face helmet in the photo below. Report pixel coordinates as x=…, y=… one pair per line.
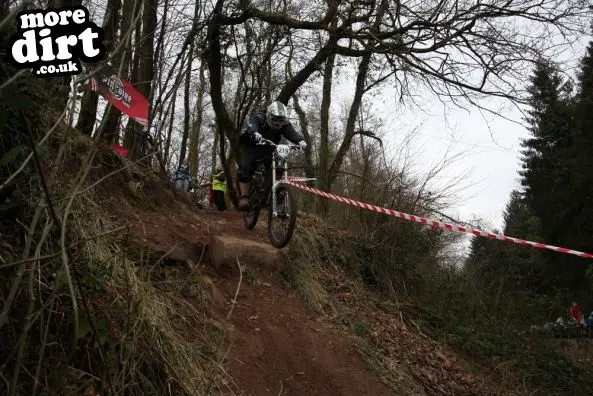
x=277, y=115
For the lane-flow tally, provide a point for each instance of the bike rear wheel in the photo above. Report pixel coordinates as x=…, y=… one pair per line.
x=255, y=196
x=251, y=215
x=281, y=234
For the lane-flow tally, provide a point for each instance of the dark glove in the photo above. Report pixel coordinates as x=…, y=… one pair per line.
x=257, y=137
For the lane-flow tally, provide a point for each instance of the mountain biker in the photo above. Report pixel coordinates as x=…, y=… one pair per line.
x=271, y=124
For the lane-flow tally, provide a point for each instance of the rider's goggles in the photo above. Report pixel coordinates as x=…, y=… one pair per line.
x=278, y=120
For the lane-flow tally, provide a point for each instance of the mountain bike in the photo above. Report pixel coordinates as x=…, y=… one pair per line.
x=267, y=192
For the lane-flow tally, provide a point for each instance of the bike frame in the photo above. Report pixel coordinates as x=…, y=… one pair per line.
x=279, y=159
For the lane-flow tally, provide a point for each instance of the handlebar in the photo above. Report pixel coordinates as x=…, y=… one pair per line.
x=266, y=142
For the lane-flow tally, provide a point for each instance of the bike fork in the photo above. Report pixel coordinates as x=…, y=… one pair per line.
x=274, y=186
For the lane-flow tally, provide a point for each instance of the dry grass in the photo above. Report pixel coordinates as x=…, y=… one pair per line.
x=80, y=313
x=303, y=268
x=578, y=351
x=158, y=327
x=323, y=265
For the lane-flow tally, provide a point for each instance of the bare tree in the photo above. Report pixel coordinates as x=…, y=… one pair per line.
x=136, y=137
x=195, y=136
x=90, y=99
x=460, y=52
x=304, y=124
x=187, y=114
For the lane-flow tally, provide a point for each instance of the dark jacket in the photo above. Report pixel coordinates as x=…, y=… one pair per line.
x=257, y=123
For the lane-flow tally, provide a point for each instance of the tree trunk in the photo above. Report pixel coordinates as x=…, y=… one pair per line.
x=224, y=122
x=351, y=123
x=194, y=142
x=170, y=130
x=130, y=137
x=61, y=84
x=308, y=200
x=160, y=43
x=90, y=99
x=268, y=79
x=88, y=112
x=158, y=71
x=309, y=167
x=186, y=119
x=139, y=136
x=227, y=168
x=363, y=69
x=122, y=58
x=324, y=180
x=214, y=147
x=189, y=131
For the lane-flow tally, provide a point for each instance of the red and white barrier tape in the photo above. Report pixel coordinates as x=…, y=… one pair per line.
x=436, y=223
x=298, y=179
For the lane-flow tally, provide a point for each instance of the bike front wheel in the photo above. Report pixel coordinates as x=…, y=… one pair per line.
x=281, y=227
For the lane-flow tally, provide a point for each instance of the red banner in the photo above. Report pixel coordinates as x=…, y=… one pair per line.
x=121, y=94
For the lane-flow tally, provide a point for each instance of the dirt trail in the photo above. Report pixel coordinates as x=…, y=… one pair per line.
x=282, y=347
x=279, y=345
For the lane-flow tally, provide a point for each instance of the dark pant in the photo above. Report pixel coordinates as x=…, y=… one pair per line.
x=219, y=200
x=248, y=163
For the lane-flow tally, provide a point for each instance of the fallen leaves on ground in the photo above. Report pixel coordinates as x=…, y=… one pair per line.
x=399, y=341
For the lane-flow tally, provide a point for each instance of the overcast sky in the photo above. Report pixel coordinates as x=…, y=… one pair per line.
x=488, y=146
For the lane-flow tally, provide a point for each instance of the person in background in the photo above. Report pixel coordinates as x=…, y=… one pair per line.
x=577, y=314
x=182, y=178
x=589, y=325
x=219, y=189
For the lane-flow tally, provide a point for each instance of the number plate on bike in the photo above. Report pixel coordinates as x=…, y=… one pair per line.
x=283, y=150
